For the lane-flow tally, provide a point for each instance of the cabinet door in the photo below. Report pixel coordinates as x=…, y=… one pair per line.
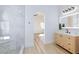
x=77, y=44
x=65, y=41
x=70, y=44
x=59, y=39
x=62, y=40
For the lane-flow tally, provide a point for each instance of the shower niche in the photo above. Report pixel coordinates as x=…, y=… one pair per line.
x=4, y=34
x=4, y=30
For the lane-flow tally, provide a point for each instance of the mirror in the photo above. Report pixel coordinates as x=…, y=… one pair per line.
x=69, y=21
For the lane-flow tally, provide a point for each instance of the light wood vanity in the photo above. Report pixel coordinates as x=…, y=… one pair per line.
x=68, y=42
x=68, y=34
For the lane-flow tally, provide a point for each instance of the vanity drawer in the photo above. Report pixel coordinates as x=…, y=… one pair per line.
x=71, y=48
x=70, y=39
x=69, y=43
x=59, y=39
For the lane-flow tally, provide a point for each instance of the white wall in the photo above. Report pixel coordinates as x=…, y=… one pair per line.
x=29, y=27
x=51, y=22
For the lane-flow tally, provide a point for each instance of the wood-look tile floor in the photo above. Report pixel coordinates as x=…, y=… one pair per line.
x=49, y=49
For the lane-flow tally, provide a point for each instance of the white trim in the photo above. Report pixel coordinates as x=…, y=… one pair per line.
x=21, y=50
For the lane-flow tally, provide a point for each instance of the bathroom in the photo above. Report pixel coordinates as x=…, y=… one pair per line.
x=60, y=21
x=37, y=29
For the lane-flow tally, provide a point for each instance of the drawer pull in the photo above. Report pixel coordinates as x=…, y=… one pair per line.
x=69, y=38
x=69, y=49
x=69, y=44
x=60, y=35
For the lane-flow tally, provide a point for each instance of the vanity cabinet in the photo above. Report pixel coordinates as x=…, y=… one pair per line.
x=68, y=42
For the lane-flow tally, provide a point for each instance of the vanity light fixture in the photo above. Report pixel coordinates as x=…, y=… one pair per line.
x=69, y=15
x=69, y=10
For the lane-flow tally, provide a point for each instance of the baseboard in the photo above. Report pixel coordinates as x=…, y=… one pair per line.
x=48, y=42
x=21, y=50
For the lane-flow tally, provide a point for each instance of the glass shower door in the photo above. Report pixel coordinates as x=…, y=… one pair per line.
x=4, y=36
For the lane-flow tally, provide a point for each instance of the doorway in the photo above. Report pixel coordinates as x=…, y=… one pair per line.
x=39, y=31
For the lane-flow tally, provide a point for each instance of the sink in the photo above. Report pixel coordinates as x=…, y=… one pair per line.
x=73, y=32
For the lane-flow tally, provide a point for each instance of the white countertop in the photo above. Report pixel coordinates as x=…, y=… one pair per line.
x=61, y=32
x=70, y=28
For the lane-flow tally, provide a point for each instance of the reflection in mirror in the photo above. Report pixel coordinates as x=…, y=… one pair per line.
x=70, y=21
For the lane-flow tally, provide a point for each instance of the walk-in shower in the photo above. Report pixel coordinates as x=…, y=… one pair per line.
x=12, y=27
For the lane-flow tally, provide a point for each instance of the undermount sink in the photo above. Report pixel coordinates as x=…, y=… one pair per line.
x=72, y=33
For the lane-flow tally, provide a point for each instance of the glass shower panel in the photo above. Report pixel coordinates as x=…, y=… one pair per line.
x=4, y=36
x=12, y=29
x=4, y=28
